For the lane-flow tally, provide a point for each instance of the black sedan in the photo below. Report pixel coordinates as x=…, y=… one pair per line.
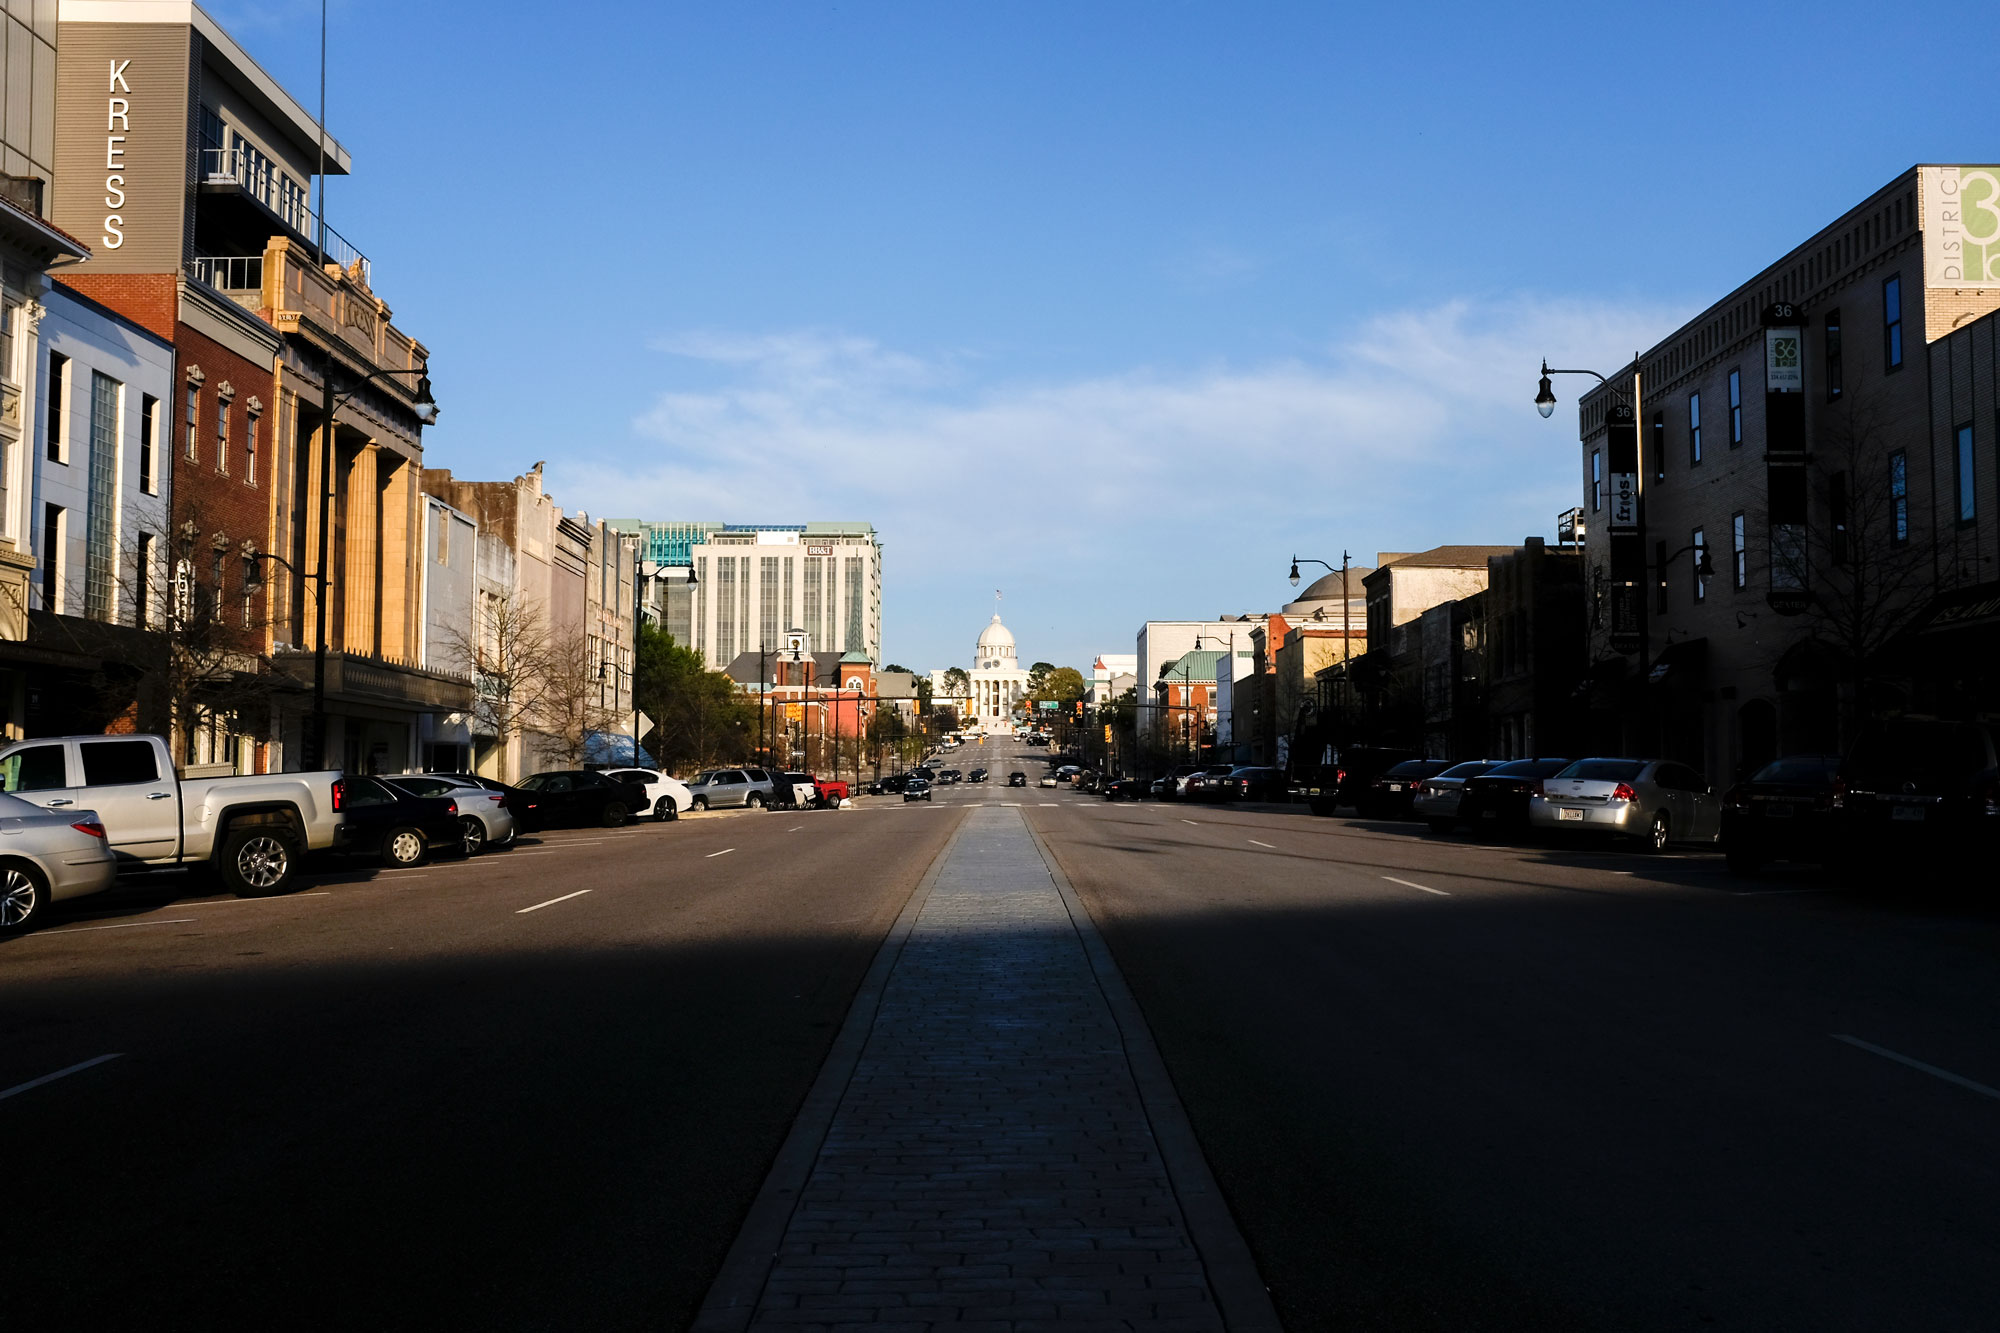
x=378, y=820
x=1258, y=784
x=1017, y=779
x=1391, y=795
x=1125, y=789
x=976, y=775
x=1783, y=813
x=1496, y=802
x=576, y=798
x=917, y=789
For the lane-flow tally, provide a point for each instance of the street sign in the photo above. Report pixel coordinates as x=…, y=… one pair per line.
x=645, y=723
x=1047, y=705
x=1107, y=733
x=795, y=712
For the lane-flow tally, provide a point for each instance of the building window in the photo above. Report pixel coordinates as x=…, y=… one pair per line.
x=1660, y=576
x=52, y=557
x=193, y=421
x=1700, y=553
x=100, y=527
x=142, y=583
x=1596, y=486
x=1832, y=355
x=1694, y=428
x=7, y=341
x=1892, y=323
x=1659, y=446
x=149, y=415
x=222, y=435
x=1968, y=506
x=1899, y=496
x=1739, y=552
x=1837, y=502
x=250, y=449
x=58, y=392
x=1735, y=408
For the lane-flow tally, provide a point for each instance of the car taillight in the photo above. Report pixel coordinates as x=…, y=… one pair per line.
x=451, y=807
x=496, y=797
x=1340, y=775
x=1734, y=799
x=90, y=826
x=339, y=793
x=1623, y=792
x=1416, y=788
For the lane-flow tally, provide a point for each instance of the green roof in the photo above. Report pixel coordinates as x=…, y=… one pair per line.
x=1196, y=666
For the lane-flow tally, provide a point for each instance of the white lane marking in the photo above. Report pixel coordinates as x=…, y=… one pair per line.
x=724, y=852
x=1255, y=843
x=1190, y=821
x=1932, y=1070
x=1408, y=884
x=795, y=828
x=1048, y=805
x=233, y=902
x=127, y=925
x=76, y=1068
x=1012, y=804
x=552, y=902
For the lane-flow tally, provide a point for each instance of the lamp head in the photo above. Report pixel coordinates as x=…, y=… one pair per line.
x=426, y=406
x=1545, y=399
x=1295, y=571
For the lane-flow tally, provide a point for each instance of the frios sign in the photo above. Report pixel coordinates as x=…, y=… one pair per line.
x=117, y=125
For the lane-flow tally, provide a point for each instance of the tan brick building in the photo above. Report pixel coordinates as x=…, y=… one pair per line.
x=1901, y=442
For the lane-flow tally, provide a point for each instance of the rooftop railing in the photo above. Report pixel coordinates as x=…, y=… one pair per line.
x=284, y=196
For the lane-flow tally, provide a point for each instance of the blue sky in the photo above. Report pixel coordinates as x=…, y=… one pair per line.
x=1111, y=305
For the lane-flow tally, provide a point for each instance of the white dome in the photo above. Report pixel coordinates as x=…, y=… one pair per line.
x=995, y=635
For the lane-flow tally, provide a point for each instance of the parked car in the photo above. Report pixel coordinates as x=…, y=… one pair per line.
x=1124, y=789
x=1437, y=797
x=1160, y=787
x=727, y=788
x=1089, y=780
x=49, y=855
x=1354, y=769
x=483, y=817
x=1253, y=783
x=976, y=775
x=1177, y=780
x=1656, y=801
x=654, y=792
x=1496, y=802
x=253, y=830
x=829, y=792
x=1783, y=813
x=379, y=820
x=578, y=798
x=1920, y=785
x=1211, y=784
x=789, y=791
x=918, y=789
x=1394, y=791
x=1017, y=779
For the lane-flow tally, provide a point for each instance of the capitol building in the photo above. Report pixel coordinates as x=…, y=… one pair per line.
x=998, y=682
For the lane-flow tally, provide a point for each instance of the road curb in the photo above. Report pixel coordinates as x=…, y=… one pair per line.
x=1240, y=1294
x=732, y=1298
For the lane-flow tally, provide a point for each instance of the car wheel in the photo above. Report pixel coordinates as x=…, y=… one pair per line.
x=507, y=841
x=615, y=814
x=1657, y=833
x=665, y=810
x=754, y=801
x=1439, y=826
x=471, y=836
x=701, y=803
x=257, y=861
x=404, y=847
x=23, y=897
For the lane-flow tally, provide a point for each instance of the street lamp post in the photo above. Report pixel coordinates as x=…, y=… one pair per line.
x=426, y=409
x=641, y=576
x=1346, y=637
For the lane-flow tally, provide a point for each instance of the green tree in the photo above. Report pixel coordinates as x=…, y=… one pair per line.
x=1038, y=676
x=1064, y=685
x=699, y=719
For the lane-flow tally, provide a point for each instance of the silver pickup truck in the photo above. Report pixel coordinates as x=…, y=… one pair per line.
x=252, y=830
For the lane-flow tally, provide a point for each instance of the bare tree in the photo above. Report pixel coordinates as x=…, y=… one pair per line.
x=575, y=702
x=508, y=650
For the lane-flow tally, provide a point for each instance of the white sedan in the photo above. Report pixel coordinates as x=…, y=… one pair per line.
x=665, y=796
x=46, y=856
x=1048, y=780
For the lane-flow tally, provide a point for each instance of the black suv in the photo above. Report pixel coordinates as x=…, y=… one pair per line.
x=1920, y=785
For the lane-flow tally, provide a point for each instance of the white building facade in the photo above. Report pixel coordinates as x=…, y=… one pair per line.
x=997, y=681
x=753, y=583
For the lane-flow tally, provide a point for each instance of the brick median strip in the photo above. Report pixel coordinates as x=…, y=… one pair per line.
x=993, y=1140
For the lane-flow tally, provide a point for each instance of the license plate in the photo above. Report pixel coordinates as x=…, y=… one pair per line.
x=1395, y=786
x=1911, y=813
x=1489, y=814
x=1562, y=813
x=1779, y=812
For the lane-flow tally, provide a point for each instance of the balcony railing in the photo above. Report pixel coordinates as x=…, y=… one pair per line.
x=282, y=195
x=229, y=273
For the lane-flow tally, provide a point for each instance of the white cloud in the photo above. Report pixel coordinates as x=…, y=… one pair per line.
x=1150, y=488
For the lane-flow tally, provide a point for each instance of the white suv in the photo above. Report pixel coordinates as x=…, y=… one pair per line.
x=665, y=796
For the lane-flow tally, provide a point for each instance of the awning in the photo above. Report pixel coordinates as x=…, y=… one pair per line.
x=613, y=751
x=1962, y=610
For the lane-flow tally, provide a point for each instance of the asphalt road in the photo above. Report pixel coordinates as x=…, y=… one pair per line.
x=1443, y=1085
x=1454, y=1086
x=417, y=1097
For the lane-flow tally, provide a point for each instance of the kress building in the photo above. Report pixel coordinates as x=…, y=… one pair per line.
x=187, y=170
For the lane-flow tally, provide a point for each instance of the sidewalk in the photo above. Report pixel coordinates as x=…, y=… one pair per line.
x=994, y=1158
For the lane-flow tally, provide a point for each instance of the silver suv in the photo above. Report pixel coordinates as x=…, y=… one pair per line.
x=722, y=788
